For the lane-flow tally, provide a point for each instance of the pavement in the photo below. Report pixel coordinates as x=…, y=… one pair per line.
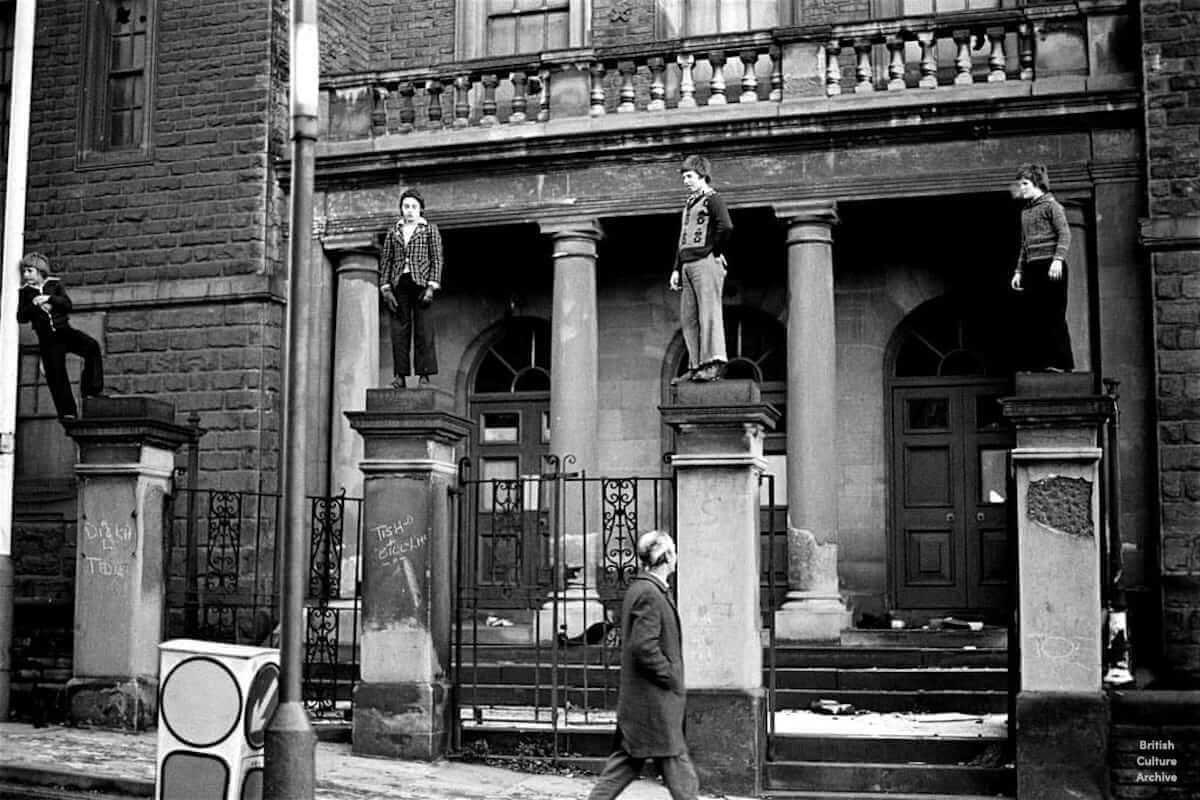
x=123, y=764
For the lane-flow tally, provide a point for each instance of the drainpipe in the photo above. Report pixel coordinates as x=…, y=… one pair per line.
x=14, y=243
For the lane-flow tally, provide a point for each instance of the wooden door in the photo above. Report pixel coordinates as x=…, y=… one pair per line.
x=949, y=463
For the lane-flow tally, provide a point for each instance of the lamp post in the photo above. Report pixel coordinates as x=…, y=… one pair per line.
x=290, y=770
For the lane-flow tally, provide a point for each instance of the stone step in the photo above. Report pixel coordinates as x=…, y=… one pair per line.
x=977, y=702
x=783, y=794
x=897, y=750
x=889, y=778
x=912, y=679
x=792, y=655
x=991, y=636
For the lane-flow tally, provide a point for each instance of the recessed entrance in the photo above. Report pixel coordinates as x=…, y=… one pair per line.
x=948, y=467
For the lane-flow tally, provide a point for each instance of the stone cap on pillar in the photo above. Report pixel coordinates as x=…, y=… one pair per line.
x=720, y=417
x=137, y=421
x=419, y=414
x=1052, y=399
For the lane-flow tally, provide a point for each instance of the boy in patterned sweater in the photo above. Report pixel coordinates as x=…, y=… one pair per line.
x=699, y=273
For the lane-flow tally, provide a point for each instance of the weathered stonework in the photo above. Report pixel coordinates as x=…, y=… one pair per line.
x=1063, y=504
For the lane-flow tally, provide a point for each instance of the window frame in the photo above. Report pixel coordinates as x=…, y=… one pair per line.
x=91, y=147
x=787, y=12
x=470, y=41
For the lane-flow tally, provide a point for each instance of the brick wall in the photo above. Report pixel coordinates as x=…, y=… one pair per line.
x=1171, y=56
x=206, y=205
x=410, y=35
x=345, y=35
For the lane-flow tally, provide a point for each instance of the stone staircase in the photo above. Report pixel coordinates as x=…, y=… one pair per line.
x=929, y=718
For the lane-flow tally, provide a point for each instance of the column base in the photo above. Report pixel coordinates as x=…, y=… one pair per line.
x=128, y=704
x=805, y=617
x=401, y=720
x=1062, y=745
x=577, y=609
x=726, y=731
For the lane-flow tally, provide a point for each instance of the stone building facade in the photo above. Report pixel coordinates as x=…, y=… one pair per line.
x=866, y=150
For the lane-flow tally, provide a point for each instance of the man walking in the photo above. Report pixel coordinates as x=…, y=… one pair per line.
x=652, y=699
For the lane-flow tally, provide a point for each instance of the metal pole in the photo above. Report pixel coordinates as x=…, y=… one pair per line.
x=290, y=770
x=14, y=243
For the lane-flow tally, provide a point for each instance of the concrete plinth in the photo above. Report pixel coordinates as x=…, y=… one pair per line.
x=718, y=434
x=409, y=441
x=1062, y=717
x=126, y=463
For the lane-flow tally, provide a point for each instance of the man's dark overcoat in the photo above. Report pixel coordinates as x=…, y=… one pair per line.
x=652, y=699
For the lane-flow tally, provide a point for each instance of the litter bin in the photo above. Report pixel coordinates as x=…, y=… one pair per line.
x=214, y=704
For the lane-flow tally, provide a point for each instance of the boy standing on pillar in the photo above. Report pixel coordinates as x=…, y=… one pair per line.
x=43, y=302
x=410, y=271
x=1041, y=275
x=699, y=272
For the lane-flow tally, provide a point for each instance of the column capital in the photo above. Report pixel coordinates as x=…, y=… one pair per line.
x=363, y=242
x=808, y=220
x=572, y=228
x=1076, y=211
x=357, y=264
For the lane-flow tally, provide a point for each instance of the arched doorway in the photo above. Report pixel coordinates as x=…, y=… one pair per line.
x=509, y=400
x=948, y=464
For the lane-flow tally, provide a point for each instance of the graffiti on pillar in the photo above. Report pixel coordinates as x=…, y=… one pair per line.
x=397, y=553
x=1063, y=504
x=108, y=548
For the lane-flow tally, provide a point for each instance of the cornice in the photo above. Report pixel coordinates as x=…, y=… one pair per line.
x=818, y=123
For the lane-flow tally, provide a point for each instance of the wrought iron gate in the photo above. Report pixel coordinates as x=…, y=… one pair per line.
x=542, y=566
x=223, y=582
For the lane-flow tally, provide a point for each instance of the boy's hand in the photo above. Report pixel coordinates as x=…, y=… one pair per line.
x=1015, y=283
x=674, y=283
x=389, y=299
x=42, y=300
x=1055, y=270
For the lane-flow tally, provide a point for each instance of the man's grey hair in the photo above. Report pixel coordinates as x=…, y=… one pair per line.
x=654, y=547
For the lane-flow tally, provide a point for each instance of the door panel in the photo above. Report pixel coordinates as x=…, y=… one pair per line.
x=949, y=466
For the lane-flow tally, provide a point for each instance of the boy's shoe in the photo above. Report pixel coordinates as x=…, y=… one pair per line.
x=710, y=373
x=399, y=382
x=687, y=376
x=423, y=380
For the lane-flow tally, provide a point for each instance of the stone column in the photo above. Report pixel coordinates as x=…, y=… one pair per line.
x=574, y=415
x=1079, y=303
x=1062, y=711
x=126, y=464
x=356, y=346
x=813, y=610
x=718, y=438
x=402, y=701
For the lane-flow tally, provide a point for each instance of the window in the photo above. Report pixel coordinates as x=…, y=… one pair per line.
x=509, y=27
x=679, y=19
x=117, y=86
x=43, y=454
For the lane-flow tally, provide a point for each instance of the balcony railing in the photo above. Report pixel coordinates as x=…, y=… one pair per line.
x=913, y=55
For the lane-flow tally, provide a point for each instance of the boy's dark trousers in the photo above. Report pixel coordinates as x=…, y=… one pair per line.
x=410, y=322
x=1047, y=339
x=54, y=349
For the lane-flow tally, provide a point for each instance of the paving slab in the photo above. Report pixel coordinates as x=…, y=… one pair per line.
x=341, y=775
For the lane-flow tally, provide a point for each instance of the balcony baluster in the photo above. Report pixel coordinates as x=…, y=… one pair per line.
x=489, y=82
x=1025, y=36
x=864, y=72
x=716, y=84
x=628, y=98
x=687, y=80
x=929, y=64
x=544, y=95
x=520, y=103
x=749, y=79
x=776, y=55
x=433, y=90
x=408, y=111
x=597, y=71
x=962, y=61
x=997, y=59
x=833, y=69
x=462, y=100
x=896, y=67
x=658, y=84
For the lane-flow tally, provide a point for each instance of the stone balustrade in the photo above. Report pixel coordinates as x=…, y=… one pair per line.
x=974, y=50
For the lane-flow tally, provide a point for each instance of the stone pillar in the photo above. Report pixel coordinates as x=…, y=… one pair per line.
x=718, y=437
x=126, y=464
x=1079, y=302
x=1062, y=711
x=355, y=368
x=410, y=440
x=813, y=610
x=574, y=415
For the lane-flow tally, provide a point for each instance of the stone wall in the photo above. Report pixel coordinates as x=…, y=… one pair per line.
x=1171, y=54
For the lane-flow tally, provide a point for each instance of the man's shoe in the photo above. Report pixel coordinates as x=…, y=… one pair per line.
x=399, y=382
